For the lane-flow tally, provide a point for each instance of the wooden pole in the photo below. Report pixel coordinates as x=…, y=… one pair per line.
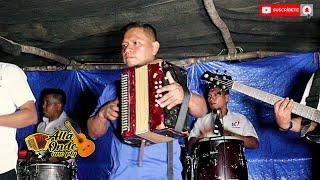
x=15, y=49
x=215, y=18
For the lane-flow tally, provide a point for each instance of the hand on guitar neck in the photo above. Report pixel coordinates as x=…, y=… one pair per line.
x=85, y=146
x=283, y=109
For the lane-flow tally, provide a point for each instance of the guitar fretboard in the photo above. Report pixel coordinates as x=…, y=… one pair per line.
x=299, y=109
x=69, y=126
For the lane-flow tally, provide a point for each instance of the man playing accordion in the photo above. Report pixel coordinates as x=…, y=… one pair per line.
x=139, y=47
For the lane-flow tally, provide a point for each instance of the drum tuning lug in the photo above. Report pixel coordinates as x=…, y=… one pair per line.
x=234, y=166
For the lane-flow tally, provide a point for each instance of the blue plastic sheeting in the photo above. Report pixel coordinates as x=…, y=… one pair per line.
x=281, y=155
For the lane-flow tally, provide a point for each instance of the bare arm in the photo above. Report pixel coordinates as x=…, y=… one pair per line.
x=249, y=141
x=191, y=142
x=296, y=125
x=197, y=105
x=27, y=115
x=98, y=125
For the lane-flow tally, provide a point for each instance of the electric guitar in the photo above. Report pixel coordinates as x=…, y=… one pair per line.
x=85, y=146
x=225, y=82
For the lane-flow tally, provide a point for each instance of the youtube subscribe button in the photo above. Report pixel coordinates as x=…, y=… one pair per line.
x=286, y=10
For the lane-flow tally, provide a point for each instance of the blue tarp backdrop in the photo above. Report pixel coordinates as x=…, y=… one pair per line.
x=281, y=155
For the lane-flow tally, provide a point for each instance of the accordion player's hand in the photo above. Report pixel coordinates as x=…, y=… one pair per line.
x=173, y=93
x=110, y=111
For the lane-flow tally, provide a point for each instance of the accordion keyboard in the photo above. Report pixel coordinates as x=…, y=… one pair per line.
x=125, y=119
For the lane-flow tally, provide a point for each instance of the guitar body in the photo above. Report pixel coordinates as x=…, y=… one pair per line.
x=85, y=146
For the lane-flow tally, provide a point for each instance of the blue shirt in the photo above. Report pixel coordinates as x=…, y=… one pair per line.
x=124, y=158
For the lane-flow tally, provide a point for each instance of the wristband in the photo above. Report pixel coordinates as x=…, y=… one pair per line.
x=290, y=126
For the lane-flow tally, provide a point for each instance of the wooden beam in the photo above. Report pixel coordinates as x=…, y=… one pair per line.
x=180, y=62
x=9, y=46
x=77, y=67
x=228, y=57
x=16, y=49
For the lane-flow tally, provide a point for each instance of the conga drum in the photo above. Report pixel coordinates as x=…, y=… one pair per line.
x=48, y=171
x=219, y=158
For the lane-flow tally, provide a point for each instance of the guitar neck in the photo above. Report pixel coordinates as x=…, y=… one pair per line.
x=299, y=109
x=69, y=126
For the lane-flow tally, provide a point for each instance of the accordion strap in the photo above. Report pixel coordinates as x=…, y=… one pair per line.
x=183, y=110
x=170, y=160
x=181, y=116
x=141, y=152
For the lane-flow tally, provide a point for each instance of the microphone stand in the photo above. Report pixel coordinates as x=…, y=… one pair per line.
x=218, y=121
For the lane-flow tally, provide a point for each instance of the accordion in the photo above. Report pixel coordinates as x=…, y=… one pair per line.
x=140, y=113
x=37, y=142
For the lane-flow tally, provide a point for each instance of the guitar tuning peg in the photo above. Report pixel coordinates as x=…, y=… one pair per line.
x=225, y=72
x=217, y=70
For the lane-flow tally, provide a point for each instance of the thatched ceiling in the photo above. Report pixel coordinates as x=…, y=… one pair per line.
x=88, y=31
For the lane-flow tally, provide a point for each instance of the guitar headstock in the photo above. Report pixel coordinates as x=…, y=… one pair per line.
x=67, y=123
x=218, y=80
